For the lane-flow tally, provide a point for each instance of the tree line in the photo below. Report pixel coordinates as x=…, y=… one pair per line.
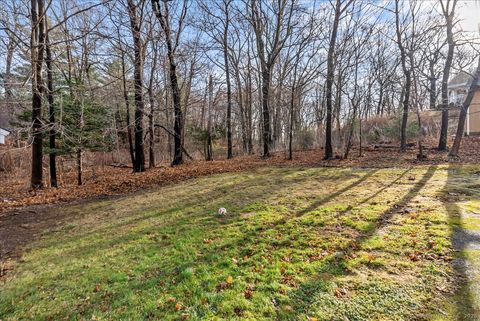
x=151, y=75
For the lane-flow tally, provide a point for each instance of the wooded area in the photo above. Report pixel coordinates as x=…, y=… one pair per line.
x=219, y=79
x=239, y=160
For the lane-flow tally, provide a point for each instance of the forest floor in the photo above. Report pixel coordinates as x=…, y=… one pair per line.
x=102, y=181
x=298, y=243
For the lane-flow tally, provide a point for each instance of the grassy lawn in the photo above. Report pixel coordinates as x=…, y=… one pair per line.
x=297, y=244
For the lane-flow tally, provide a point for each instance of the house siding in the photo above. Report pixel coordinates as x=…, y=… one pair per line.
x=474, y=115
x=3, y=134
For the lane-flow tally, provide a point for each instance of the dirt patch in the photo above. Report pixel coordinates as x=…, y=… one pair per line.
x=20, y=227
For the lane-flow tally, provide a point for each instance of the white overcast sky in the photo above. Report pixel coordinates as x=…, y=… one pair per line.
x=469, y=13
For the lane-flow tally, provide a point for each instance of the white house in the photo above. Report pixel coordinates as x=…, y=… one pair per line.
x=457, y=91
x=3, y=133
x=458, y=88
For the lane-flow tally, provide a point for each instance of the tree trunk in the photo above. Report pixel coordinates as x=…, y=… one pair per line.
x=7, y=78
x=139, y=164
x=208, y=146
x=433, y=87
x=229, y=86
x=79, y=166
x=329, y=82
x=406, y=102
x=127, y=107
x=37, y=48
x=151, y=127
x=151, y=132
x=249, y=108
x=442, y=144
x=290, y=129
x=164, y=19
x=408, y=80
x=51, y=112
x=380, y=101
x=266, y=112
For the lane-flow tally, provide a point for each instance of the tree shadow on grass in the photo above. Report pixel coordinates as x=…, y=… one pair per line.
x=463, y=240
x=335, y=194
x=302, y=297
x=260, y=228
x=212, y=255
x=262, y=189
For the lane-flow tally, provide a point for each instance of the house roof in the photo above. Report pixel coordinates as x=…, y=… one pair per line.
x=4, y=131
x=461, y=80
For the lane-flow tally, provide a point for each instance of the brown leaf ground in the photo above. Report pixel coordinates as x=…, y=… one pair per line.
x=110, y=181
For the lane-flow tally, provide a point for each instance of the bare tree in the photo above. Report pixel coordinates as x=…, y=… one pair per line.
x=135, y=25
x=340, y=7
x=37, y=45
x=162, y=12
x=407, y=72
x=277, y=32
x=448, y=11
x=51, y=113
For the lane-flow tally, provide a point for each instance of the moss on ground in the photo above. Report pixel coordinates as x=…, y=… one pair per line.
x=297, y=243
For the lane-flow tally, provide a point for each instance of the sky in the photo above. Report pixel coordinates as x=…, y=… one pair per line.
x=469, y=13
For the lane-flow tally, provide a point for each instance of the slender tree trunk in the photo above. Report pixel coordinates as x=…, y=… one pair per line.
x=7, y=78
x=178, y=125
x=266, y=76
x=406, y=103
x=442, y=144
x=80, y=124
x=151, y=121
x=79, y=166
x=290, y=130
x=421, y=155
x=127, y=107
x=37, y=49
x=51, y=112
x=380, y=100
x=208, y=147
x=329, y=82
x=229, y=86
x=151, y=132
x=242, y=110
x=407, y=73
x=360, y=135
x=433, y=87
x=249, y=108
x=164, y=19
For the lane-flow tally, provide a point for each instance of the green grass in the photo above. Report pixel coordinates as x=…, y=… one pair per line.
x=331, y=244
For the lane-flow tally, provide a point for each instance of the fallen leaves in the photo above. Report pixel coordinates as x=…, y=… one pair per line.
x=111, y=180
x=414, y=257
x=178, y=306
x=340, y=292
x=222, y=286
x=248, y=294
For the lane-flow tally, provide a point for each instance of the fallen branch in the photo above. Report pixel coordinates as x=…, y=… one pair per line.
x=174, y=135
x=119, y=165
